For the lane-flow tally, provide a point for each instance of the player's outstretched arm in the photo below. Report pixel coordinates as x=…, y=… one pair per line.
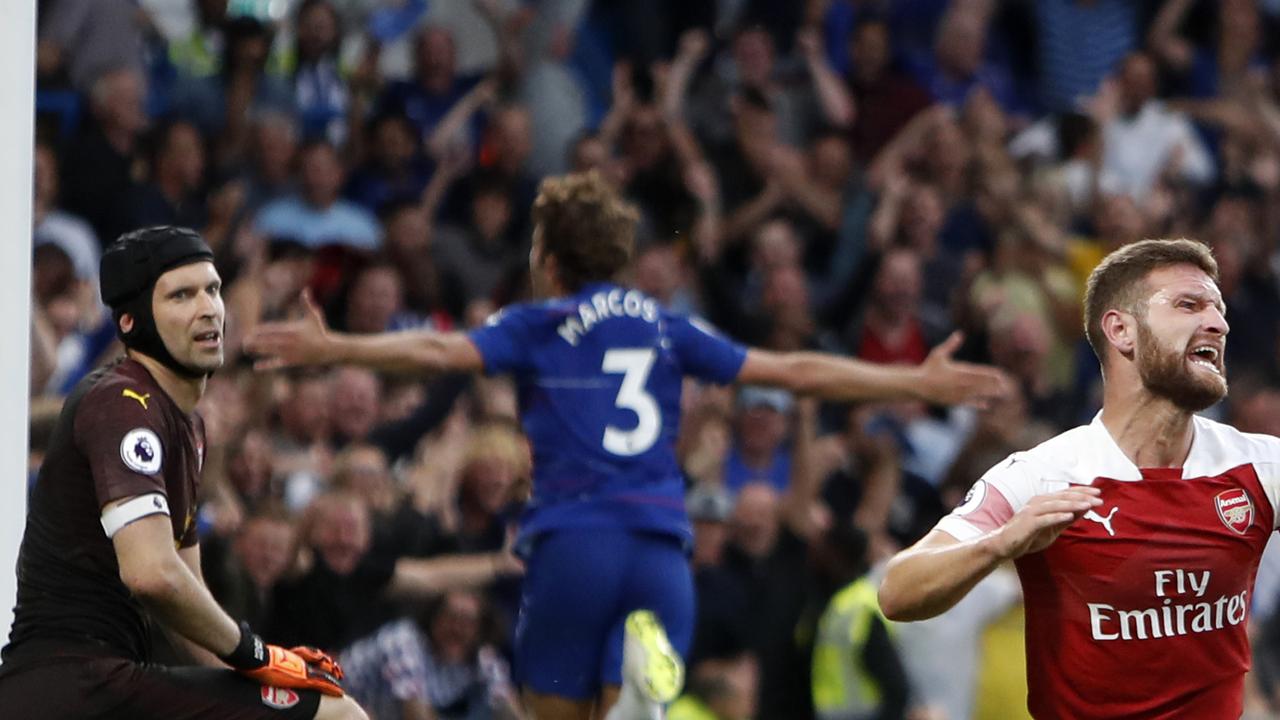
x=930, y=577
x=939, y=379
x=309, y=341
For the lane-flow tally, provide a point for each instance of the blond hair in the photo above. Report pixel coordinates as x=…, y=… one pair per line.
x=498, y=441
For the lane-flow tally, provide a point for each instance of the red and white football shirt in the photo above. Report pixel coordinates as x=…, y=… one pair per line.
x=1139, y=609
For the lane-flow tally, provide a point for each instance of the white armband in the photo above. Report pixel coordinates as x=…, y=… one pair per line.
x=136, y=509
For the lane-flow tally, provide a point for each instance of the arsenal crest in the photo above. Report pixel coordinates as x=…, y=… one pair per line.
x=1235, y=509
x=279, y=698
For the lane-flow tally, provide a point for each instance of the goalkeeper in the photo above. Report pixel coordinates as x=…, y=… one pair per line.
x=110, y=537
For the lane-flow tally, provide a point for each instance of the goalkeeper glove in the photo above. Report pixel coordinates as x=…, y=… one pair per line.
x=303, y=668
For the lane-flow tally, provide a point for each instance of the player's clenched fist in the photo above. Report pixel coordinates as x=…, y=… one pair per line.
x=1036, y=526
x=303, y=668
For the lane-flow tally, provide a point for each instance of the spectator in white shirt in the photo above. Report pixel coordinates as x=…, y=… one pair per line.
x=1143, y=140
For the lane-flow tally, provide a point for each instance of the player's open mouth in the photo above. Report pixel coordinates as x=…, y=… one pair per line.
x=213, y=338
x=1206, y=356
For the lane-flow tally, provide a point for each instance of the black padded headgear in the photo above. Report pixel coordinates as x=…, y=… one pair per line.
x=128, y=273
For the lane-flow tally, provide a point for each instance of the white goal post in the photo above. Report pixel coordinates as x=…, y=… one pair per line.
x=17, y=92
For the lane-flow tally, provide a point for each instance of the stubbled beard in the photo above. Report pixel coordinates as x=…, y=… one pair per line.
x=1168, y=374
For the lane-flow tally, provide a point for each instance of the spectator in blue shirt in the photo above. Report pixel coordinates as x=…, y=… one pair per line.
x=396, y=169
x=319, y=89
x=958, y=64
x=173, y=194
x=760, y=452
x=317, y=217
x=436, y=84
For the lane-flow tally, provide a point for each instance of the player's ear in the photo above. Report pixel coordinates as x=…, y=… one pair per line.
x=1121, y=331
x=126, y=323
x=551, y=266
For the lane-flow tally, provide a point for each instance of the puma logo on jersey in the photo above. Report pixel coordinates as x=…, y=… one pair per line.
x=142, y=399
x=1103, y=521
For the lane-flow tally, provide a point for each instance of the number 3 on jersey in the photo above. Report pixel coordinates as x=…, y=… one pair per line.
x=634, y=364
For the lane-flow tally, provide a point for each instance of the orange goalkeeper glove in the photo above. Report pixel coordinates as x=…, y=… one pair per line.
x=320, y=659
x=301, y=669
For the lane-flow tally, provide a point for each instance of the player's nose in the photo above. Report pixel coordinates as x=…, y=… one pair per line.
x=1216, y=321
x=209, y=305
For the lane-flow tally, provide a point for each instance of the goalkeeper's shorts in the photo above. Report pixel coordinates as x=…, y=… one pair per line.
x=65, y=685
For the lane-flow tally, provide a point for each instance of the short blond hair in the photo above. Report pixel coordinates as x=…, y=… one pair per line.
x=498, y=441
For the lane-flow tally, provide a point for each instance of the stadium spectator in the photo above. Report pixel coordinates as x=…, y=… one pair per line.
x=758, y=452
x=721, y=628
x=494, y=471
x=1079, y=44
x=892, y=328
x=269, y=173
x=243, y=580
x=857, y=670
x=395, y=171
x=341, y=591
x=82, y=40
x=317, y=216
x=1220, y=66
x=1144, y=141
x=749, y=62
x=70, y=327
x=320, y=90
x=97, y=173
x=480, y=258
x=376, y=301
x=876, y=82
x=52, y=225
x=719, y=689
x=177, y=165
x=437, y=85
x=958, y=64
x=199, y=53
x=222, y=104
x=942, y=655
x=440, y=665
x=355, y=395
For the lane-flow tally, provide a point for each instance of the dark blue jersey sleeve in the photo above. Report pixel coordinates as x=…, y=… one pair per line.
x=704, y=353
x=505, y=339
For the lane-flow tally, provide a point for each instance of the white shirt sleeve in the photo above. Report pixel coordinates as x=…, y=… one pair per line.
x=1269, y=477
x=1003, y=490
x=1197, y=165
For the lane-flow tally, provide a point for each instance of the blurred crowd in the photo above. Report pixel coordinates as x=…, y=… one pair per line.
x=857, y=176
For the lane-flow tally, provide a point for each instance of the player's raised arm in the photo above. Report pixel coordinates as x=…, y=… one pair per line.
x=939, y=379
x=930, y=577
x=309, y=341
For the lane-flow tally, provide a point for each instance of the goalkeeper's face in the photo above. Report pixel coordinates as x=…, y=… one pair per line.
x=1181, y=339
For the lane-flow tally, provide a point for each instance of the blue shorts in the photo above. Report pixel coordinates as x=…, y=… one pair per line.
x=579, y=588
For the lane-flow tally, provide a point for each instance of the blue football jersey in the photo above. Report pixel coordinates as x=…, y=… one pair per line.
x=599, y=376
